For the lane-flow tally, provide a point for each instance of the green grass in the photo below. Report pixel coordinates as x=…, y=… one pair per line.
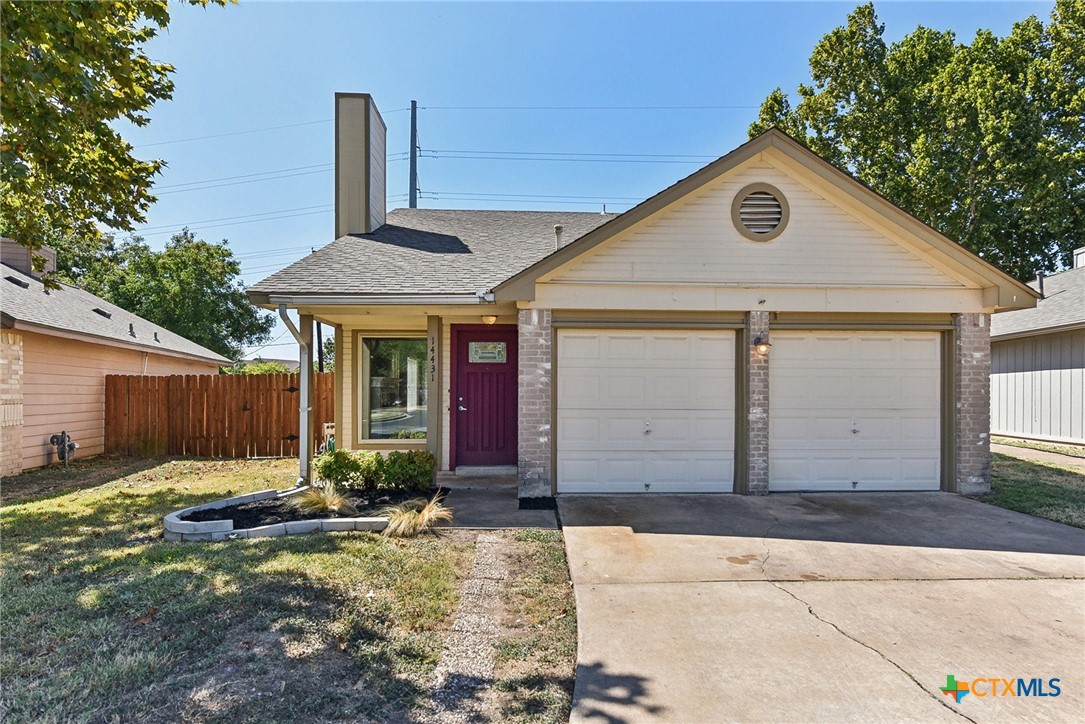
x=1077, y=451
x=103, y=620
x=1041, y=489
x=536, y=660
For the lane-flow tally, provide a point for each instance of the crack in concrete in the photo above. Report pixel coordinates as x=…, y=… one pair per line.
x=845, y=634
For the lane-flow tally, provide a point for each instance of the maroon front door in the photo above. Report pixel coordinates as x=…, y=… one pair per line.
x=483, y=408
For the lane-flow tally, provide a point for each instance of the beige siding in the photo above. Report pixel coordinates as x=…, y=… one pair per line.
x=694, y=245
x=344, y=435
x=446, y=389
x=1038, y=387
x=64, y=389
x=377, y=151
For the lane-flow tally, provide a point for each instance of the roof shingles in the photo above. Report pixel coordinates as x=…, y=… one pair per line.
x=1063, y=305
x=433, y=252
x=70, y=309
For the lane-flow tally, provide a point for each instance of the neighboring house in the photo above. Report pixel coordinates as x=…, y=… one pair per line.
x=56, y=347
x=631, y=353
x=1038, y=362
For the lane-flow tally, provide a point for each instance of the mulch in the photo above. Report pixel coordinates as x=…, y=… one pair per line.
x=277, y=510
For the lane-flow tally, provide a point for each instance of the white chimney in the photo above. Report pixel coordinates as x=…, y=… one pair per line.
x=1079, y=257
x=359, y=164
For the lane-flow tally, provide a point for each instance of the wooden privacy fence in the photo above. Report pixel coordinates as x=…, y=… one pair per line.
x=228, y=416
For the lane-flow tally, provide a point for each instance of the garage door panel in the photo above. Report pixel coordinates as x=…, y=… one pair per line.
x=614, y=385
x=855, y=407
x=670, y=472
x=687, y=430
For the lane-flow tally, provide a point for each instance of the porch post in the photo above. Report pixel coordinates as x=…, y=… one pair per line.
x=304, y=337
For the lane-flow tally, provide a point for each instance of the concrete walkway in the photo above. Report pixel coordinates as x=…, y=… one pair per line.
x=820, y=608
x=1042, y=456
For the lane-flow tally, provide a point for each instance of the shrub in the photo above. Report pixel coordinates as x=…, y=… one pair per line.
x=370, y=469
x=338, y=467
x=322, y=499
x=410, y=470
x=415, y=516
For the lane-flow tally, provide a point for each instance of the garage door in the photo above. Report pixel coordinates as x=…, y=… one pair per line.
x=854, y=411
x=645, y=411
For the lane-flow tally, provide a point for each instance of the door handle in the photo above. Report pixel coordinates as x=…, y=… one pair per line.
x=462, y=408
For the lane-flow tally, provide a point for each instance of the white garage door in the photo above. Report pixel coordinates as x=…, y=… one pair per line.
x=854, y=411
x=645, y=411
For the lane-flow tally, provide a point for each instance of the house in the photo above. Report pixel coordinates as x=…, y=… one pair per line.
x=56, y=347
x=1038, y=362
x=765, y=324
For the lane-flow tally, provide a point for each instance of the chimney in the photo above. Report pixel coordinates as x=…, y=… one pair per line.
x=359, y=165
x=18, y=257
x=1079, y=258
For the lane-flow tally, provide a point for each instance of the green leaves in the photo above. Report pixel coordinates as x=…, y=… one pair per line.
x=984, y=141
x=69, y=69
x=191, y=288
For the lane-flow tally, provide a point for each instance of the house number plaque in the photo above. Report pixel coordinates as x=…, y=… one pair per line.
x=486, y=352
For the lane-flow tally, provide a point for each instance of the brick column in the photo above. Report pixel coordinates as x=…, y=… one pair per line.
x=757, y=408
x=535, y=377
x=973, y=403
x=11, y=403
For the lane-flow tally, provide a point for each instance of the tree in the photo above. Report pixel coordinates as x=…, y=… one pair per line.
x=985, y=142
x=69, y=70
x=257, y=367
x=191, y=288
x=329, y=355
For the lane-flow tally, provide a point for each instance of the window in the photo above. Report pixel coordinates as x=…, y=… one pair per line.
x=394, y=384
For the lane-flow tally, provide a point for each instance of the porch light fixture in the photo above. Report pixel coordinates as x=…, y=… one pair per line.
x=762, y=345
x=488, y=319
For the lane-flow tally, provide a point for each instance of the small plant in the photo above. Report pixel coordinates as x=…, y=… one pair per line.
x=408, y=519
x=370, y=469
x=409, y=470
x=338, y=467
x=322, y=499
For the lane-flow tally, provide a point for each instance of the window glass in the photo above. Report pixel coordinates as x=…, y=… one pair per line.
x=396, y=388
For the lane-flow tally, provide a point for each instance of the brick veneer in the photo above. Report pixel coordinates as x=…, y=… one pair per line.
x=11, y=403
x=973, y=403
x=535, y=435
x=757, y=409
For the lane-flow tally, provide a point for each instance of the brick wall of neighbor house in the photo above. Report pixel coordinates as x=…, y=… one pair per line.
x=11, y=403
x=757, y=412
x=973, y=402
x=536, y=363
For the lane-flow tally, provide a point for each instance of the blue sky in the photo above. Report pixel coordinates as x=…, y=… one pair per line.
x=255, y=85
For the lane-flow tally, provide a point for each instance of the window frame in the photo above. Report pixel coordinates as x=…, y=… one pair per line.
x=361, y=390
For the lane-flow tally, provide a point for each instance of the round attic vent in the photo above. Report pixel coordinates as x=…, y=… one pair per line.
x=759, y=212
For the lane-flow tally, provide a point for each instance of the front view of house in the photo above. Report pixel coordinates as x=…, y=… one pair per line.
x=765, y=324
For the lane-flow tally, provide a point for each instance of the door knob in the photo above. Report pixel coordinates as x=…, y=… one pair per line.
x=462, y=408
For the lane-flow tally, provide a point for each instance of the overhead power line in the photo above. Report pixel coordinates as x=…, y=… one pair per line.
x=585, y=108
x=565, y=159
x=231, y=218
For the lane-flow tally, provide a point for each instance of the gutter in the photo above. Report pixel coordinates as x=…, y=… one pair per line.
x=305, y=374
x=295, y=300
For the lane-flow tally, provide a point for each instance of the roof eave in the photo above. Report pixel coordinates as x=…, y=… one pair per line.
x=271, y=300
x=113, y=342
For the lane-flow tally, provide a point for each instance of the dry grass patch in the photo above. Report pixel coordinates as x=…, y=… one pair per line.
x=103, y=620
x=1041, y=489
x=536, y=658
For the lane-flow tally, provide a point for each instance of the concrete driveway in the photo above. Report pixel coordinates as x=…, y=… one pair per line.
x=825, y=607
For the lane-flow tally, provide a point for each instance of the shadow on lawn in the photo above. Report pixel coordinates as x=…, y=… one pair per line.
x=56, y=480
x=233, y=631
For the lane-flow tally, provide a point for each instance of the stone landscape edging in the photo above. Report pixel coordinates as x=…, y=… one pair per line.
x=215, y=530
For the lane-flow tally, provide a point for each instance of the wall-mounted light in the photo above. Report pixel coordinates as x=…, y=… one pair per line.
x=761, y=345
x=488, y=319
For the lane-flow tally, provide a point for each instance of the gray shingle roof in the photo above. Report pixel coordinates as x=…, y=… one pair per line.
x=1063, y=305
x=430, y=251
x=71, y=309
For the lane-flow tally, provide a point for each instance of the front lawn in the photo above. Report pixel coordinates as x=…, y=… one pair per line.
x=105, y=621
x=1041, y=489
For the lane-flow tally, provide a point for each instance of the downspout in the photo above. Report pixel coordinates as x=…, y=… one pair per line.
x=305, y=435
